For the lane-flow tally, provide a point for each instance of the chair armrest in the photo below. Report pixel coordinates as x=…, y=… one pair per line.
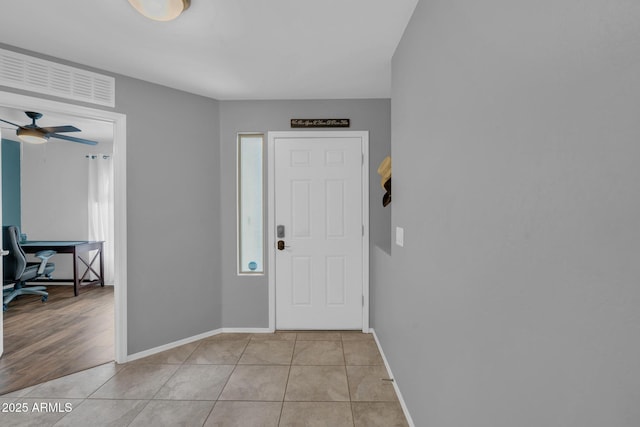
x=44, y=256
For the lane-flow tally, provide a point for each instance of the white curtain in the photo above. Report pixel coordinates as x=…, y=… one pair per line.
x=101, y=208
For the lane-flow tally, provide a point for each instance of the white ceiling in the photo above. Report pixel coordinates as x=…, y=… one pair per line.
x=225, y=49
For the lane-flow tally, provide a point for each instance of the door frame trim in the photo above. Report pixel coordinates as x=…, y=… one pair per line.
x=271, y=240
x=119, y=121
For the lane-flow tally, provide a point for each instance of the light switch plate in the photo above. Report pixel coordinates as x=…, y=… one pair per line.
x=399, y=236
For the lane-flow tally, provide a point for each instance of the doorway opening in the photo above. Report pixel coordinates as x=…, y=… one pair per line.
x=117, y=122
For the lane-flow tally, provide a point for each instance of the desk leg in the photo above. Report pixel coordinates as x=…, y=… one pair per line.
x=101, y=264
x=75, y=272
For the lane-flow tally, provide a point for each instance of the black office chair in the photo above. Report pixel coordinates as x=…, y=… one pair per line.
x=17, y=270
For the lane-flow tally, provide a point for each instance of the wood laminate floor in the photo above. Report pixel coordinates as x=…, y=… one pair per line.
x=67, y=334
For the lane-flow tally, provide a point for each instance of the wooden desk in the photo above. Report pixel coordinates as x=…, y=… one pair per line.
x=80, y=250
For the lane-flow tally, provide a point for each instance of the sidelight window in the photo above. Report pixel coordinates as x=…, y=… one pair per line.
x=250, y=204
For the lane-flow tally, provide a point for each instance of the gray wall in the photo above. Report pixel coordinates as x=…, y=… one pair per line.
x=246, y=297
x=173, y=215
x=515, y=300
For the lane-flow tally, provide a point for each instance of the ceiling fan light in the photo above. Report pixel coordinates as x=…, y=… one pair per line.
x=161, y=10
x=31, y=136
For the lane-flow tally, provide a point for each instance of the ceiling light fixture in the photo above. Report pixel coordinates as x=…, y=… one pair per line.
x=161, y=10
x=31, y=136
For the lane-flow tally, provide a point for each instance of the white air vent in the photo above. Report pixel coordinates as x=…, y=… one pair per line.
x=37, y=75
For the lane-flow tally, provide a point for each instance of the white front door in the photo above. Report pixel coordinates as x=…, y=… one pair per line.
x=319, y=230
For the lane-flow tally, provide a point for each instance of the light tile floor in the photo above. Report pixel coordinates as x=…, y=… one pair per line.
x=284, y=379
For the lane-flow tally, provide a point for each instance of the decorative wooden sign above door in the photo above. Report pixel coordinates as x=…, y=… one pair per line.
x=320, y=123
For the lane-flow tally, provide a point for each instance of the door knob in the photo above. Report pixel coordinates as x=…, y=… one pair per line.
x=281, y=245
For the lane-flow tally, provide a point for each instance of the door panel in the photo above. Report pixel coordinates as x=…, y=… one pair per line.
x=318, y=200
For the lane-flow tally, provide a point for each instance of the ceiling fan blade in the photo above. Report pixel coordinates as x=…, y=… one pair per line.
x=57, y=129
x=1, y=120
x=72, y=138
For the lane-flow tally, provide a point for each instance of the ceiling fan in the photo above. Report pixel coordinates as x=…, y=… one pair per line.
x=34, y=134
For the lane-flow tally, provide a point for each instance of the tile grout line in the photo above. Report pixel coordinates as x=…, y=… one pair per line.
x=104, y=383
x=235, y=366
x=353, y=418
x=180, y=365
x=286, y=385
x=215, y=403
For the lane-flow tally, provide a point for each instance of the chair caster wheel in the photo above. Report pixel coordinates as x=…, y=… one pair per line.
x=44, y=298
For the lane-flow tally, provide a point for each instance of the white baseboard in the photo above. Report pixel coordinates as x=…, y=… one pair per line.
x=178, y=343
x=395, y=383
x=152, y=351
x=247, y=330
